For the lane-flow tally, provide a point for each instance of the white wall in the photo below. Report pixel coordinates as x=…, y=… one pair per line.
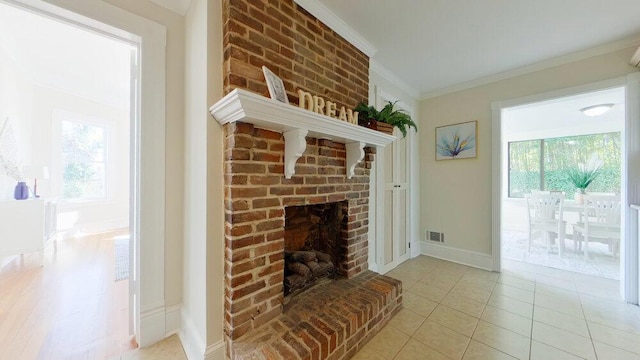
x=215, y=191
x=194, y=321
x=16, y=103
x=202, y=315
x=456, y=194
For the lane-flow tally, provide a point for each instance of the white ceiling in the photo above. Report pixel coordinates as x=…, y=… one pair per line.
x=434, y=45
x=562, y=116
x=65, y=57
x=430, y=46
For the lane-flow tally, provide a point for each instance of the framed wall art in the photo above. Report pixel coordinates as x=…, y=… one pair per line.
x=275, y=85
x=457, y=141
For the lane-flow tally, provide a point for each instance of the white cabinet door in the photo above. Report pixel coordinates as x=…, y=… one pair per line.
x=394, y=202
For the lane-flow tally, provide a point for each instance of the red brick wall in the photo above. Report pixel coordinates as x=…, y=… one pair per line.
x=296, y=46
x=256, y=194
x=306, y=55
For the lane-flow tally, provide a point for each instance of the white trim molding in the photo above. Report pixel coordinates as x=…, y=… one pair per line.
x=270, y=114
x=173, y=316
x=179, y=7
x=629, y=279
x=329, y=18
x=152, y=325
x=148, y=232
x=296, y=124
x=194, y=345
x=456, y=255
x=635, y=59
x=496, y=184
x=546, y=64
x=215, y=351
x=630, y=286
x=376, y=67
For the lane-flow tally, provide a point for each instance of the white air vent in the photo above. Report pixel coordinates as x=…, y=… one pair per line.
x=635, y=59
x=435, y=236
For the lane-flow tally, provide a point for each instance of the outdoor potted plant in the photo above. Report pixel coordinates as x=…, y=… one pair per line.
x=583, y=175
x=386, y=119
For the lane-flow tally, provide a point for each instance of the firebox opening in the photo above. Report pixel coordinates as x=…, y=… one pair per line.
x=313, y=244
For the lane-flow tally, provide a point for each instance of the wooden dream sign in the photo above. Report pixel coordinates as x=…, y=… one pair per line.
x=321, y=106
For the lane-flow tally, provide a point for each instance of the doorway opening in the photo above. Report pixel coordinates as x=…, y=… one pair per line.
x=628, y=249
x=69, y=94
x=552, y=149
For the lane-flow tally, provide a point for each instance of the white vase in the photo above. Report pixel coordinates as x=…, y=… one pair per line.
x=579, y=198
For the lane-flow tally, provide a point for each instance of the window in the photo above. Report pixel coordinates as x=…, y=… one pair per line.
x=543, y=164
x=83, y=161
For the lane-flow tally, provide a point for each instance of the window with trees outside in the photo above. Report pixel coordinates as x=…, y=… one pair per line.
x=83, y=161
x=543, y=164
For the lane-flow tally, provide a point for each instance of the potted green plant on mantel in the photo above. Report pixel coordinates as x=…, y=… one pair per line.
x=386, y=119
x=583, y=175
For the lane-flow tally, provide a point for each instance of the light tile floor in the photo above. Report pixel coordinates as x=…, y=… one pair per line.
x=528, y=311
x=452, y=311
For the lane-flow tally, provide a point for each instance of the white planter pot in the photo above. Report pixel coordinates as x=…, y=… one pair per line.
x=579, y=198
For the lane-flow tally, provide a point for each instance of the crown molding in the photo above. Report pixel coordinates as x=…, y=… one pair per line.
x=635, y=59
x=376, y=67
x=179, y=7
x=329, y=18
x=542, y=65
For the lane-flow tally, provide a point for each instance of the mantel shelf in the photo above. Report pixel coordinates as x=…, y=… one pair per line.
x=296, y=124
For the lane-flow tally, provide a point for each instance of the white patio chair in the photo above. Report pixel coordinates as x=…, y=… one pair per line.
x=600, y=221
x=545, y=216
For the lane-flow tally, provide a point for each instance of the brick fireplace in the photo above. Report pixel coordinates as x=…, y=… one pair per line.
x=273, y=166
x=256, y=195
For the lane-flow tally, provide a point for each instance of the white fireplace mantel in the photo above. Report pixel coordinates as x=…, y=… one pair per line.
x=296, y=124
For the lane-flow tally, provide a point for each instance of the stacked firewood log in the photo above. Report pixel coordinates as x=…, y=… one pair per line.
x=303, y=267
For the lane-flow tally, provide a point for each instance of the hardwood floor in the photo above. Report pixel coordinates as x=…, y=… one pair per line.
x=69, y=308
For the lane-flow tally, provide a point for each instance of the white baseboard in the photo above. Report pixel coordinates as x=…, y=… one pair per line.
x=215, y=351
x=194, y=346
x=174, y=325
x=93, y=228
x=460, y=256
x=152, y=326
x=174, y=319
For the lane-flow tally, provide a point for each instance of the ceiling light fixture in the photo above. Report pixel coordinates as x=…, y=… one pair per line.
x=596, y=110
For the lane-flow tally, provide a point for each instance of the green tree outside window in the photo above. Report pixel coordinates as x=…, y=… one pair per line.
x=543, y=164
x=83, y=161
